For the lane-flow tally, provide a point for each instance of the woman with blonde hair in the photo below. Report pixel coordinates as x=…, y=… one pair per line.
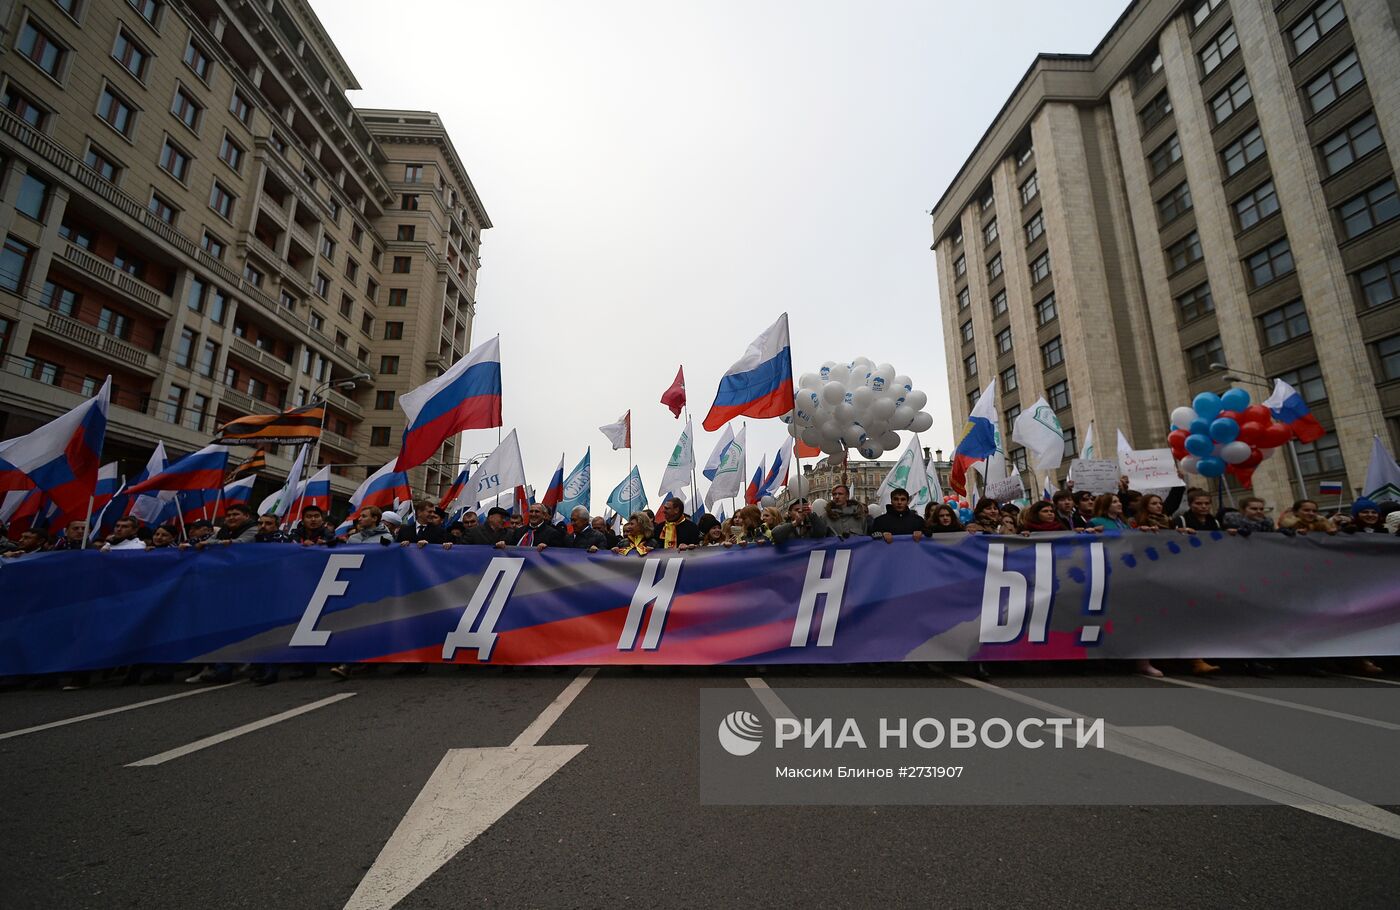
x=637, y=536
x=747, y=527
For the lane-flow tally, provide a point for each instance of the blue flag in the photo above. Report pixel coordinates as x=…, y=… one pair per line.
x=629, y=496
x=578, y=488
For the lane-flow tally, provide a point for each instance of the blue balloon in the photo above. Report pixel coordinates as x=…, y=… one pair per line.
x=1235, y=399
x=1207, y=405
x=1199, y=445
x=1224, y=429
x=1199, y=427
x=964, y=515
x=1210, y=466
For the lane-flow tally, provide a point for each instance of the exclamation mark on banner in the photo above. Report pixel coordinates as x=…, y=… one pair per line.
x=1089, y=635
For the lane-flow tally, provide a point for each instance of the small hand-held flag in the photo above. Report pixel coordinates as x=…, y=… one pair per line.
x=466, y=397
x=620, y=433
x=674, y=397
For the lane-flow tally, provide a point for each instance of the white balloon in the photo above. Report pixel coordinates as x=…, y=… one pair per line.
x=903, y=416
x=862, y=398
x=819, y=506
x=1235, y=452
x=889, y=440
x=801, y=418
x=829, y=428
x=832, y=447
x=809, y=381
x=794, y=429
x=833, y=392
x=903, y=384
x=875, y=427
x=1188, y=464
x=845, y=413
x=839, y=373
x=825, y=372
x=810, y=436
x=922, y=422
x=887, y=370
x=879, y=381
x=876, y=509
x=1183, y=417
x=916, y=399
x=798, y=485
x=864, y=362
x=786, y=418
x=882, y=409
x=871, y=451
x=768, y=502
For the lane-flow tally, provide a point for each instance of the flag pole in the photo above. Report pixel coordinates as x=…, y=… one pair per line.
x=103, y=514
x=180, y=514
x=87, y=522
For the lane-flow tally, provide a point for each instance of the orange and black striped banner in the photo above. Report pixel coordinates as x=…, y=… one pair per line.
x=297, y=425
x=248, y=466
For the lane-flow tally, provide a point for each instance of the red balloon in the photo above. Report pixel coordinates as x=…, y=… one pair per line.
x=1236, y=416
x=1275, y=435
x=1257, y=413
x=1178, y=437
x=1252, y=432
x=1252, y=462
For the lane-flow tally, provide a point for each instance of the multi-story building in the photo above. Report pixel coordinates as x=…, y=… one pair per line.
x=862, y=477
x=1210, y=194
x=190, y=203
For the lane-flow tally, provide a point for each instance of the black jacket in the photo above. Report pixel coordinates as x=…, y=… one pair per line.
x=429, y=533
x=814, y=527
x=483, y=536
x=590, y=536
x=1074, y=522
x=896, y=523
x=1188, y=519
x=687, y=532
x=324, y=537
x=546, y=533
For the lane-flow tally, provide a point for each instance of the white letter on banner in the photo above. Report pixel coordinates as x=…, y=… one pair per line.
x=997, y=580
x=1044, y=588
x=648, y=590
x=306, y=634
x=496, y=582
x=832, y=586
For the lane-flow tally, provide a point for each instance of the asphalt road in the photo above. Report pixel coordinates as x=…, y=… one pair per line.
x=296, y=812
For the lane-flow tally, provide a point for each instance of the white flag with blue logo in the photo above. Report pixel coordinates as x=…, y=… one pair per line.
x=578, y=488
x=629, y=496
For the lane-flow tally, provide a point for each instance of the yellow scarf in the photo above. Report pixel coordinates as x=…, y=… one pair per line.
x=668, y=535
x=638, y=543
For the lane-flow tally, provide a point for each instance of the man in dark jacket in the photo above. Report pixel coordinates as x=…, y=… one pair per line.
x=312, y=532
x=898, y=521
x=1067, y=512
x=537, y=532
x=585, y=536
x=494, y=531
x=427, y=527
x=674, y=529
x=268, y=532
x=802, y=524
x=238, y=527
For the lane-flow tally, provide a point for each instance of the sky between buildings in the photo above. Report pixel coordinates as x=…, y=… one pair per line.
x=666, y=178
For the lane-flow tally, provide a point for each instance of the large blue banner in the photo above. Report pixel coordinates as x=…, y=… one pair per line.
x=950, y=598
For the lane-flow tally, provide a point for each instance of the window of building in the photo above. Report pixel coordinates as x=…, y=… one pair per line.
x=334, y=203
x=194, y=300
x=970, y=364
x=1052, y=353
x=40, y=370
x=288, y=301
x=1175, y=203
x=367, y=323
x=1322, y=456
x=174, y=160
x=57, y=297
x=1201, y=11
x=999, y=303
x=405, y=232
x=146, y=9
x=1031, y=188
x=1045, y=311
x=352, y=269
x=1380, y=283
x=1164, y=156
x=40, y=47
x=994, y=268
x=372, y=289
x=413, y=173
x=1388, y=355
x=116, y=111
x=197, y=60
x=221, y=200
x=90, y=386
x=1243, y=152
x=965, y=330
x=24, y=107
x=32, y=195
x=322, y=285
x=1195, y=303
x=958, y=238
x=1256, y=205
x=347, y=305
x=374, y=254
x=1184, y=252
x=1058, y=395
x=14, y=264
x=357, y=234
x=960, y=267
x=1024, y=154
x=1284, y=323
x=316, y=320
x=1040, y=267
x=1358, y=138
x=409, y=202
x=185, y=347
x=1149, y=66
x=218, y=305
x=174, y=404
x=208, y=357
x=1071, y=442
x=1035, y=227
x=252, y=275
x=1157, y=110
x=1269, y=263
x=1338, y=79
x=129, y=262
x=402, y=264
x=1368, y=209
x=79, y=236
x=989, y=233
x=1008, y=379
x=398, y=296
x=964, y=299
x=1011, y=414
x=987, y=199
x=973, y=397
x=1308, y=381
x=186, y=109
x=1218, y=49
x=393, y=331
x=1199, y=357
x=131, y=55
x=384, y=400
x=231, y=153
x=257, y=389
x=379, y=436
x=162, y=208
x=341, y=340
x=212, y=245
x=328, y=247
x=1315, y=23
x=100, y=162
x=388, y=366
x=1231, y=98
x=239, y=107
x=1004, y=341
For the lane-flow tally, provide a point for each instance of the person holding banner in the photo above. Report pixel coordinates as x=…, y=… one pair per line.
x=72, y=538
x=495, y=531
x=1151, y=514
x=1038, y=518
x=163, y=538
x=986, y=518
x=636, y=536
x=126, y=536
x=801, y=524
x=312, y=532
x=844, y=517
x=942, y=519
x=586, y=536
x=538, y=532
x=368, y=528
x=238, y=528
x=1198, y=516
x=747, y=527
x=898, y=520
x=427, y=527
x=1303, y=518
x=1108, y=513
x=677, y=531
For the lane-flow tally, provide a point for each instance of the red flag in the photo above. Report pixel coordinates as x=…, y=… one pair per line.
x=674, y=397
x=802, y=450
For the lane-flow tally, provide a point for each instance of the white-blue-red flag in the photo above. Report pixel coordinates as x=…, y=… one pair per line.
x=315, y=491
x=754, y=492
x=1288, y=406
x=554, y=493
x=200, y=470
x=978, y=440
x=759, y=384
x=61, y=458
x=466, y=397
x=777, y=476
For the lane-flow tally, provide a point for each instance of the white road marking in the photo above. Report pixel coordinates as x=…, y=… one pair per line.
x=1296, y=706
x=1185, y=753
x=227, y=735
x=1371, y=679
x=771, y=702
x=110, y=711
x=470, y=790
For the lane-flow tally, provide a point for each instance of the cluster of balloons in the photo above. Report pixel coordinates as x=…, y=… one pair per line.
x=1221, y=434
x=859, y=405
x=961, y=506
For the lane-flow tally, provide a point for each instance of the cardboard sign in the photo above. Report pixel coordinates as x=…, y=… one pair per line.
x=1095, y=475
x=1005, y=490
x=1151, y=469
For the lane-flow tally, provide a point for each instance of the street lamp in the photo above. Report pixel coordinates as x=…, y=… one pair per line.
x=345, y=385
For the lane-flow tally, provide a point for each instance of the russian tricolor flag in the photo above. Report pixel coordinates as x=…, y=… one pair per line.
x=759, y=384
x=239, y=493
x=754, y=492
x=201, y=470
x=61, y=458
x=554, y=493
x=314, y=492
x=385, y=489
x=778, y=474
x=466, y=397
x=978, y=440
x=1288, y=406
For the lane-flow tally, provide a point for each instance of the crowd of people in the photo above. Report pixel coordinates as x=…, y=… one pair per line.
x=1183, y=511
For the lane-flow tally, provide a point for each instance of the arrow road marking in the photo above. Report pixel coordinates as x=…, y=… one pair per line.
x=132, y=707
x=470, y=790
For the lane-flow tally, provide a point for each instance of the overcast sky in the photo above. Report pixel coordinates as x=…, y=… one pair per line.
x=665, y=179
